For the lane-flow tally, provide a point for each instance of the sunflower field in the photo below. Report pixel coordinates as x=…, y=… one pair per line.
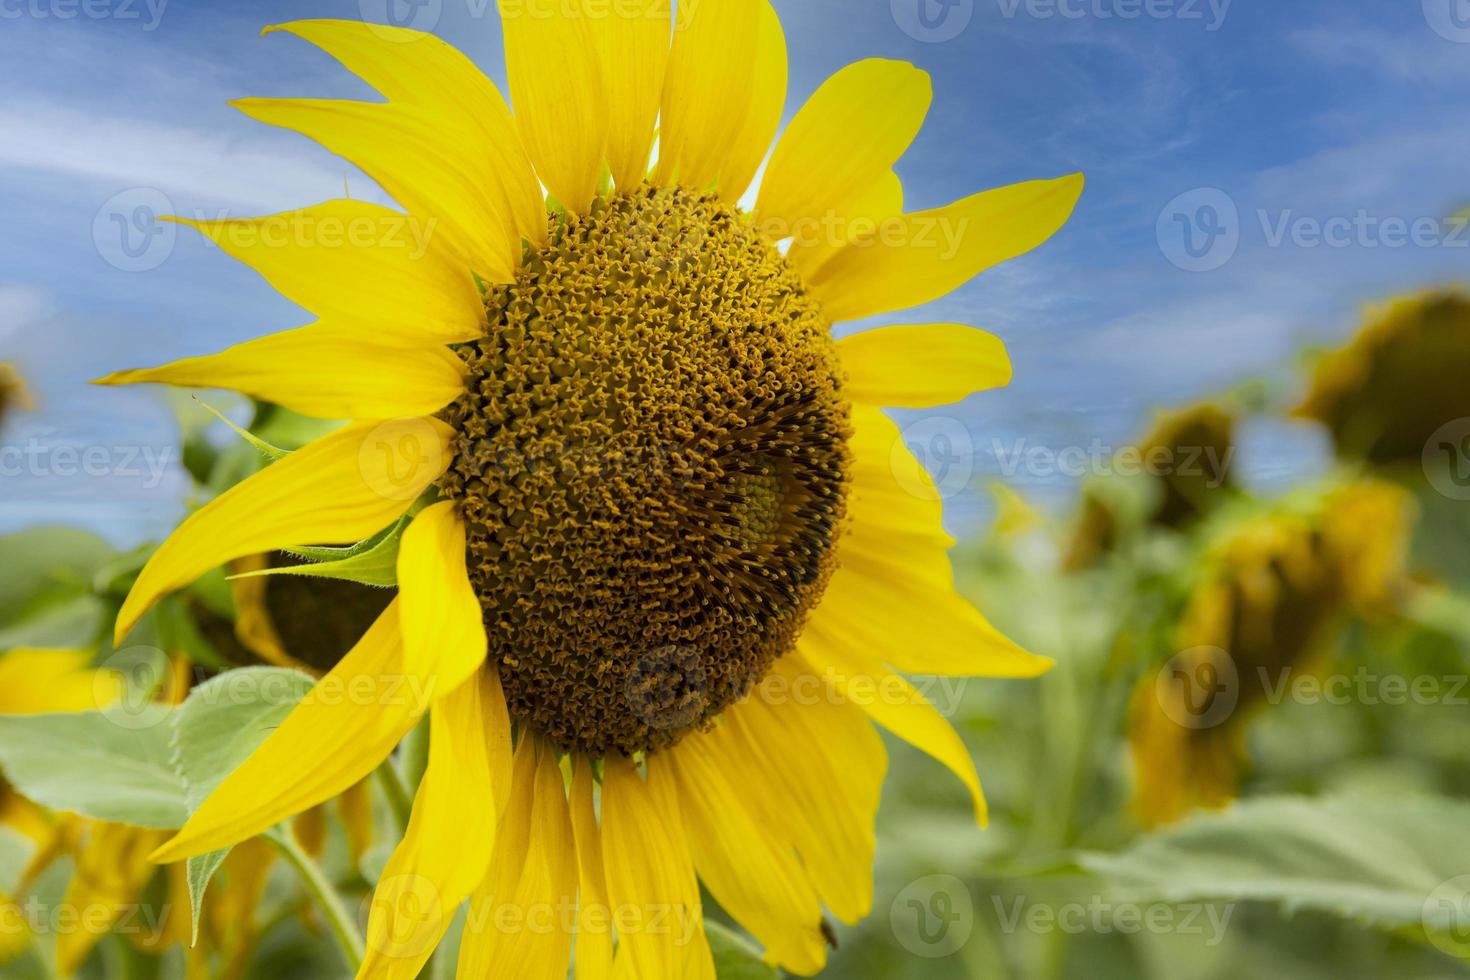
x=589, y=591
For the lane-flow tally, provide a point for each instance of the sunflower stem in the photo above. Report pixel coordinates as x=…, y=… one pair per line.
x=344, y=926
x=400, y=800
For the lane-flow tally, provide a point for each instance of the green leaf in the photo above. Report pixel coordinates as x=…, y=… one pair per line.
x=46, y=592
x=1378, y=861
x=735, y=957
x=221, y=723
x=370, y=562
x=107, y=765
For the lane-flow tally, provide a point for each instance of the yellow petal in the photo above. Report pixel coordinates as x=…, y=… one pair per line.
x=323, y=371
x=841, y=143
x=928, y=254
x=814, y=769
x=552, y=61
x=344, y=728
x=356, y=809
x=443, y=624
x=893, y=594
x=411, y=68
x=922, y=366
x=634, y=52
x=521, y=920
x=813, y=244
x=766, y=102
x=746, y=863
x=340, y=489
x=310, y=830
x=711, y=90
x=350, y=262
x=450, y=837
x=650, y=879
x=891, y=701
x=41, y=681
x=112, y=867
x=594, y=946
x=451, y=208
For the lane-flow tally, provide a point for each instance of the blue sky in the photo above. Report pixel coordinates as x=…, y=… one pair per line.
x=1326, y=127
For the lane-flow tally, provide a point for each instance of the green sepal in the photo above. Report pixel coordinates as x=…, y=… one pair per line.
x=370, y=562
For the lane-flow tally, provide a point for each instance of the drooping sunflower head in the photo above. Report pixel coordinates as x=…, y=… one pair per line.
x=1384, y=394
x=292, y=619
x=650, y=457
x=1186, y=457
x=1270, y=599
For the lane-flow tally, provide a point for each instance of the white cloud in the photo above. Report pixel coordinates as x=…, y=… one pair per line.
x=188, y=165
x=20, y=306
x=1413, y=57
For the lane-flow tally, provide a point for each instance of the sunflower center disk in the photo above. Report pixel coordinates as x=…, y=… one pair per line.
x=651, y=459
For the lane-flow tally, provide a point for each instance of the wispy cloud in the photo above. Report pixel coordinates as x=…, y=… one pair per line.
x=191, y=166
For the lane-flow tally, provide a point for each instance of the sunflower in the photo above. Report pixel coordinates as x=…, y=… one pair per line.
x=1271, y=599
x=13, y=391
x=1187, y=456
x=1361, y=393
x=650, y=483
